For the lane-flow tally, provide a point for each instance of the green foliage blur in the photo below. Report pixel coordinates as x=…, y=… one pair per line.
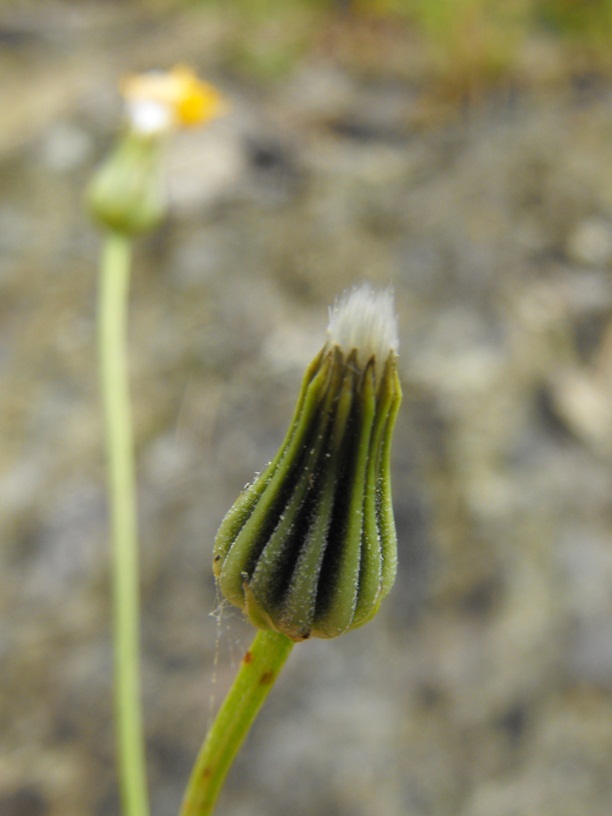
x=461, y=45
x=439, y=18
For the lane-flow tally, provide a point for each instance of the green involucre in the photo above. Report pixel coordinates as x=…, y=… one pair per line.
x=126, y=194
x=309, y=548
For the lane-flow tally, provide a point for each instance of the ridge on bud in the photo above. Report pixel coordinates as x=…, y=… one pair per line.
x=309, y=548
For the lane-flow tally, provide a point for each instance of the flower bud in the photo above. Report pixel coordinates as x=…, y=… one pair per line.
x=309, y=548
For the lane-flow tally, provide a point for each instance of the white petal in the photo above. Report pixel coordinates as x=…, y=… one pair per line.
x=148, y=116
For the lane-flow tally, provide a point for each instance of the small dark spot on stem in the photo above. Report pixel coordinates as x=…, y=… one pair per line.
x=206, y=773
x=266, y=678
x=248, y=657
x=217, y=558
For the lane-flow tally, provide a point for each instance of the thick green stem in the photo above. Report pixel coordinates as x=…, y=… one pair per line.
x=260, y=667
x=115, y=272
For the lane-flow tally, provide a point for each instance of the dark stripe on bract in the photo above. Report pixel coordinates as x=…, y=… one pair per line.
x=336, y=552
x=302, y=497
x=242, y=553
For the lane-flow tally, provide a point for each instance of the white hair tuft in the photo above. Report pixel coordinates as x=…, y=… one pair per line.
x=364, y=319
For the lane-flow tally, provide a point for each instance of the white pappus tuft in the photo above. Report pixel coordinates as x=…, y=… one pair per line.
x=364, y=319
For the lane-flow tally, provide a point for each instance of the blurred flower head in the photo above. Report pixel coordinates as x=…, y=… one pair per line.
x=127, y=195
x=160, y=101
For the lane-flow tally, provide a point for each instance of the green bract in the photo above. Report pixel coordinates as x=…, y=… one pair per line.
x=126, y=194
x=309, y=548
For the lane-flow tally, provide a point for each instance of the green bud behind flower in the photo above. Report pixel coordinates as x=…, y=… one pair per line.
x=309, y=548
x=126, y=194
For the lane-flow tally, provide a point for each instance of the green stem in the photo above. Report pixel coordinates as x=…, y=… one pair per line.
x=259, y=669
x=115, y=272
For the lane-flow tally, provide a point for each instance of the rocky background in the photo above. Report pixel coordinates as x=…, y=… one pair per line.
x=484, y=686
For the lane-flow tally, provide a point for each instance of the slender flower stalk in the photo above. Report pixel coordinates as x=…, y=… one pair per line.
x=258, y=671
x=114, y=281
x=309, y=548
x=126, y=198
